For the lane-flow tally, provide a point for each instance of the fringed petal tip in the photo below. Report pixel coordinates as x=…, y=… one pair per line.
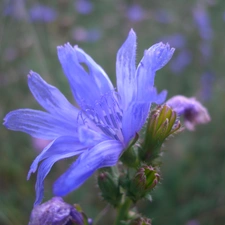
x=5, y=121
x=130, y=42
x=131, y=32
x=65, y=49
x=159, y=55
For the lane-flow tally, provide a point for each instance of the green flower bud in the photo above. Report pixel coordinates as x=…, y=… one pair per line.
x=146, y=178
x=110, y=189
x=138, y=187
x=161, y=124
x=141, y=221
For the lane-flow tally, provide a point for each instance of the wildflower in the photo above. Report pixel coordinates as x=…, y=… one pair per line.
x=193, y=111
x=107, y=120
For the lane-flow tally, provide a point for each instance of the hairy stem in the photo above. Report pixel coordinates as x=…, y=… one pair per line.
x=122, y=212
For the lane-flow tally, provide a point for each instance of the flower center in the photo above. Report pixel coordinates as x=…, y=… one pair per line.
x=107, y=115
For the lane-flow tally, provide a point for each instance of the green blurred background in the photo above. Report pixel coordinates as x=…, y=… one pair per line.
x=192, y=191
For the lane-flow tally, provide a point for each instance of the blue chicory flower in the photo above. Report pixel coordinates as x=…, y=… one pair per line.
x=101, y=129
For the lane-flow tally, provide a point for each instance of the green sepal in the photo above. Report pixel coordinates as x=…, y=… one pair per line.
x=130, y=157
x=140, y=185
x=109, y=186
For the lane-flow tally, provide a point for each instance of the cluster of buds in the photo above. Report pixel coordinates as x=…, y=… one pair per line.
x=138, y=187
x=162, y=123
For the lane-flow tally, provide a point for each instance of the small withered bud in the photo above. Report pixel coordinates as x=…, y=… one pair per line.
x=141, y=221
x=109, y=186
x=138, y=187
x=162, y=123
x=55, y=212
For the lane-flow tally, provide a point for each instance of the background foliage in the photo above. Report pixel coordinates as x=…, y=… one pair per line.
x=192, y=189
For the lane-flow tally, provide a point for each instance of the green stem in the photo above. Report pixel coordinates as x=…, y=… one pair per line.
x=101, y=214
x=123, y=211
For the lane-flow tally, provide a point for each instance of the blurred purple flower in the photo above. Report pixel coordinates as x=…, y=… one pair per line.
x=55, y=212
x=193, y=222
x=84, y=6
x=206, y=51
x=193, y=111
x=206, y=85
x=135, y=13
x=203, y=22
x=163, y=16
x=14, y=8
x=223, y=16
x=177, y=40
x=42, y=13
x=86, y=35
x=10, y=54
x=181, y=61
x=100, y=130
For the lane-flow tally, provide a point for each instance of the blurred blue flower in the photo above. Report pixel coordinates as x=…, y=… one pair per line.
x=86, y=35
x=181, y=61
x=206, y=51
x=107, y=120
x=135, y=13
x=203, y=22
x=223, y=16
x=207, y=80
x=38, y=12
x=14, y=8
x=84, y=6
x=42, y=13
x=177, y=40
x=163, y=16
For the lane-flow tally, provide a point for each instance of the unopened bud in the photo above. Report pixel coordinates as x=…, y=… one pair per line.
x=161, y=124
x=146, y=178
x=138, y=187
x=109, y=187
